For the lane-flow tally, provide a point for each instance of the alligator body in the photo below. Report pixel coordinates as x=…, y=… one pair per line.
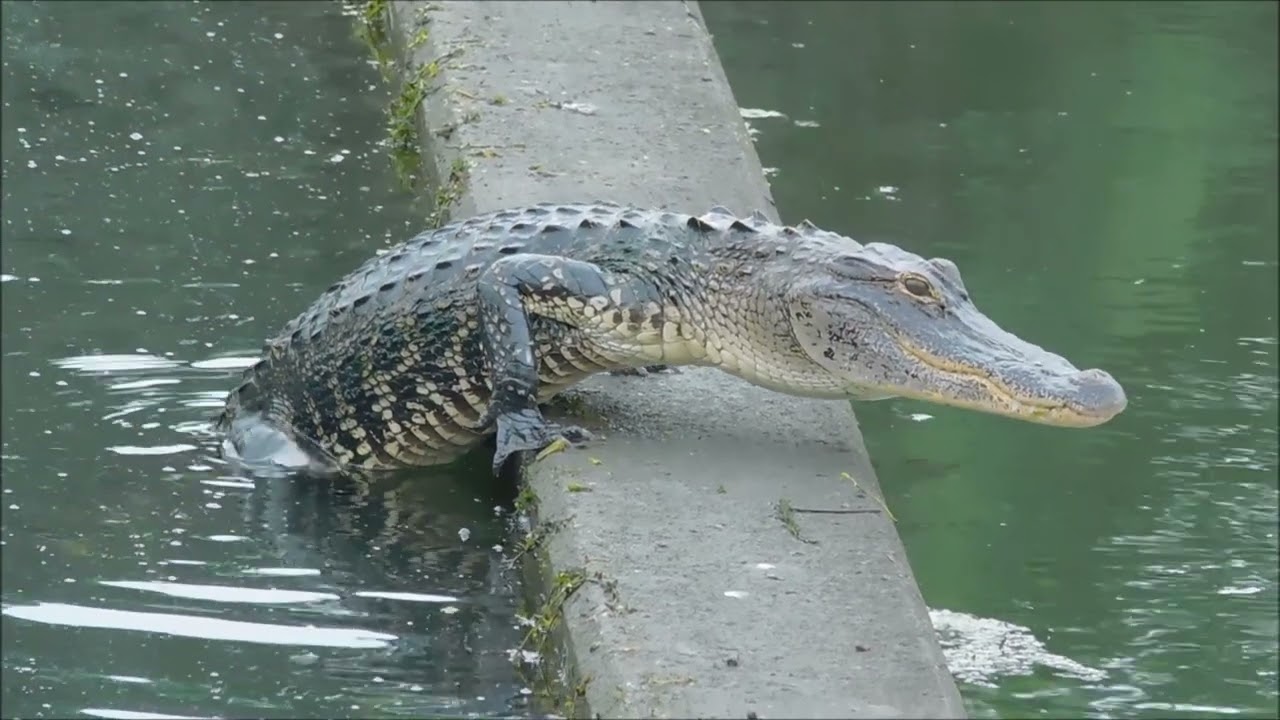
x=461, y=332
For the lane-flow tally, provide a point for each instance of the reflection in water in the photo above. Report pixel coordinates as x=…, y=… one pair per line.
x=409, y=566
x=387, y=555
x=1105, y=177
x=136, y=715
x=179, y=180
x=197, y=627
x=221, y=593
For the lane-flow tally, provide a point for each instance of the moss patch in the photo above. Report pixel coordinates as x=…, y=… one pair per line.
x=549, y=677
x=536, y=538
x=544, y=659
x=372, y=26
x=448, y=194
x=402, y=124
x=548, y=615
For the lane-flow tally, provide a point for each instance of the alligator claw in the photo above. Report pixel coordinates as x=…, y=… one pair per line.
x=528, y=430
x=644, y=370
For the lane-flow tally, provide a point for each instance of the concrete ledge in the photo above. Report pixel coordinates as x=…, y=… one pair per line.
x=687, y=593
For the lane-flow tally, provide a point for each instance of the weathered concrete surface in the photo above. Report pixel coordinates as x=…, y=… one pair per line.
x=627, y=101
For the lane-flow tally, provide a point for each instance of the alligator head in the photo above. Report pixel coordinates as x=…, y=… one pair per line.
x=889, y=323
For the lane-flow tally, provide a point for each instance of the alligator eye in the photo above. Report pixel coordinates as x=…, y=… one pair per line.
x=917, y=286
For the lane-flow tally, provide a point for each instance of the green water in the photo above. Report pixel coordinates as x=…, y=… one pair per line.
x=178, y=180
x=1105, y=175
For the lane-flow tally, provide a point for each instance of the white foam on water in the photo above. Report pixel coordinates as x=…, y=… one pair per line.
x=755, y=113
x=980, y=650
x=198, y=626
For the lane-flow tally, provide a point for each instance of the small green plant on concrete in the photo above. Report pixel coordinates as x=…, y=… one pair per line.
x=527, y=503
x=536, y=537
x=787, y=515
x=562, y=698
x=526, y=545
x=612, y=598
x=552, y=681
x=882, y=504
x=563, y=586
x=574, y=487
x=424, y=12
x=374, y=17
x=526, y=499
x=371, y=29
x=576, y=694
x=402, y=124
x=419, y=38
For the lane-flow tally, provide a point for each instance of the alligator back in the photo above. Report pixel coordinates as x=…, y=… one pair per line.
x=389, y=357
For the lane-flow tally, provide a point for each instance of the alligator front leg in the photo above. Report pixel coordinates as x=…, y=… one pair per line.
x=510, y=290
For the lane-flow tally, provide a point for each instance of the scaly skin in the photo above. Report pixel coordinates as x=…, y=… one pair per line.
x=462, y=331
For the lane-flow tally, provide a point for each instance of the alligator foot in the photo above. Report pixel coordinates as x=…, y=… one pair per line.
x=644, y=371
x=528, y=430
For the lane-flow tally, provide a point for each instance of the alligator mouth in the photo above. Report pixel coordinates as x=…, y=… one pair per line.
x=1078, y=412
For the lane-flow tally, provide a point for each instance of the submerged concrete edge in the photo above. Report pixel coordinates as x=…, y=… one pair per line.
x=674, y=577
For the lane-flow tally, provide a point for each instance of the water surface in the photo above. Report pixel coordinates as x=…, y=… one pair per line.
x=179, y=180
x=1105, y=176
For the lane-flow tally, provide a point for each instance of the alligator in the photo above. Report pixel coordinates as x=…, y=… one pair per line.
x=462, y=332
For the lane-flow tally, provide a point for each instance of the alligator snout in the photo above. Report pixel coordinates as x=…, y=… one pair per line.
x=1052, y=391
x=1097, y=396
x=999, y=373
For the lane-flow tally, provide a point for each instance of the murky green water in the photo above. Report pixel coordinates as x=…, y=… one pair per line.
x=1105, y=176
x=178, y=180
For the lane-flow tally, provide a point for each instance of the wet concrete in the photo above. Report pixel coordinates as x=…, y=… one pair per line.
x=702, y=599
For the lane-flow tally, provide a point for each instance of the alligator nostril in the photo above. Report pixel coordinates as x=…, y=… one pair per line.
x=1099, y=392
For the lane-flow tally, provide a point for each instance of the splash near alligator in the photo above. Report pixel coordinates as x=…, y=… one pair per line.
x=461, y=332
